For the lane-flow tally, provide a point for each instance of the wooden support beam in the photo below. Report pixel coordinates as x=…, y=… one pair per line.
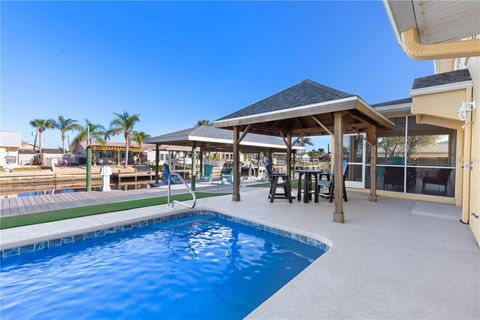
x=284, y=138
x=157, y=159
x=358, y=118
x=373, y=164
x=289, y=155
x=244, y=134
x=309, y=131
x=194, y=165
x=201, y=161
x=372, y=134
x=338, y=215
x=236, y=164
x=268, y=129
x=322, y=125
x=361, y=136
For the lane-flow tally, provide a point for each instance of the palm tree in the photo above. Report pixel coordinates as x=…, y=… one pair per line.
x=35, y=123
x=40, y=126
x=65, y=125
x=204, y=123
x=304, y=141
x=138, y=137
x=97, y=131
x=106, y=135
x=124, y=123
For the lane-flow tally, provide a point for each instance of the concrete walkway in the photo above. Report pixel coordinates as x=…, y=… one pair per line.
x=384, y=262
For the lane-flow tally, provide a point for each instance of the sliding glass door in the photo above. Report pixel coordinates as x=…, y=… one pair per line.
x=354, y=154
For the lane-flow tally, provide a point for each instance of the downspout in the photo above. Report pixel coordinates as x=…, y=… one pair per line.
x=415, y=50
x=467, y=164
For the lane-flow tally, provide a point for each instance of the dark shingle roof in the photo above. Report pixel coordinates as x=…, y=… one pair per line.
x=392, y=102
x=442, y=78
x=208, y=132
x=302, y=94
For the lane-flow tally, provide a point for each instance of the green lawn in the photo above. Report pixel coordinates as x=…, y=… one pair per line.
x=25, y=220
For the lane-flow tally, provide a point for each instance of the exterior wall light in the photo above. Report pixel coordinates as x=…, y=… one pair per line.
x=465, y=108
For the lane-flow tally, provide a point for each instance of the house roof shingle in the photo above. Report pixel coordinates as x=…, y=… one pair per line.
x=392, y=102
x=304, y=93
x=442, y=79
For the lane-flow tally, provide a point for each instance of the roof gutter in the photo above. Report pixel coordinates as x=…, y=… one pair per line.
x=415, y=50
x=392, y=21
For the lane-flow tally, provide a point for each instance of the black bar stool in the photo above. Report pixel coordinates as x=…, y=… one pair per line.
x=275, y=183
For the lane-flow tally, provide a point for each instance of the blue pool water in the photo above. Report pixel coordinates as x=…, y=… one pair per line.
x=200, y=267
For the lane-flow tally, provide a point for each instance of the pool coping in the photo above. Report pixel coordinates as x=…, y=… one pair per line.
x=38, y=237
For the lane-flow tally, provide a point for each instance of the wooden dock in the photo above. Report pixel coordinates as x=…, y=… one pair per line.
x=42, y=203
x=135, y=176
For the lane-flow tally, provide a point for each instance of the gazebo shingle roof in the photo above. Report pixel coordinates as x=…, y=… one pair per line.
x=210, y=134
x=304, y=93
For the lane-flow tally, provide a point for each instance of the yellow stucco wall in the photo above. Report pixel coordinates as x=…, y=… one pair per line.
x=474, y=68
x=441, y=109
x=442, y=105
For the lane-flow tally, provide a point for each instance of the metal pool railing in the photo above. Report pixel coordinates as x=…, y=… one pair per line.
x=171, y=205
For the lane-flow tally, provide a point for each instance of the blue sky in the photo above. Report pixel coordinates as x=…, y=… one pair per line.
x=177, y=62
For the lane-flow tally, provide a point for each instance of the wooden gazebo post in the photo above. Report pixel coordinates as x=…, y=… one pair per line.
x=236, y=160
x=372, y=136
x=200, y=157
x=289, y=156
x=157, y=159
x=236, y=164
x=338, y=170
x=194, y=165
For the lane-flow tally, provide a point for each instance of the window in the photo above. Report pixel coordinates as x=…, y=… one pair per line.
x=415, y=158
x=430, y=159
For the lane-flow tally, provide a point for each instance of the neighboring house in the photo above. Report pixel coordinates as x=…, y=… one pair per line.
x=305, y=157
x=108, y=152
x=165, y=152
x=9, y=144
x=27, y=156
x=26, y=146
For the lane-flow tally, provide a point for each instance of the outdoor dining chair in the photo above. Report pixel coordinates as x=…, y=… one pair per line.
x=207, y=173
x=330, y=184
x=275, y=183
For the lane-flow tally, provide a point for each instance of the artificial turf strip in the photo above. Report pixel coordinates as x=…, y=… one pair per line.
x=294, y=184
x=49, y=216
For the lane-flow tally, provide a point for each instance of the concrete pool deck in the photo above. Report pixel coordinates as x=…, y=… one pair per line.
x=384, y=262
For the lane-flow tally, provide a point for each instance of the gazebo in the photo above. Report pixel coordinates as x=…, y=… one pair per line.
x=310, y=109
x=211, y=139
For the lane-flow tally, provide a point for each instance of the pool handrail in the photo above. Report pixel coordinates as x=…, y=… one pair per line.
x=171, y=205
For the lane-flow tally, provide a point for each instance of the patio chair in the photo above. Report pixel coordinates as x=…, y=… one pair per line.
x=330, y=184
x=207, y=173
x=440, y=179
x=393, y=176
x=166, y=175
x=274, y=183
x=226, y=176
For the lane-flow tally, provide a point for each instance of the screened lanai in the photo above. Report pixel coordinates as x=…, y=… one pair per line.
x=310, y=109
x=211, y=139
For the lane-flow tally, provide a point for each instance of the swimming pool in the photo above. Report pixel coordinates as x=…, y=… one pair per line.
x=199, y=266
